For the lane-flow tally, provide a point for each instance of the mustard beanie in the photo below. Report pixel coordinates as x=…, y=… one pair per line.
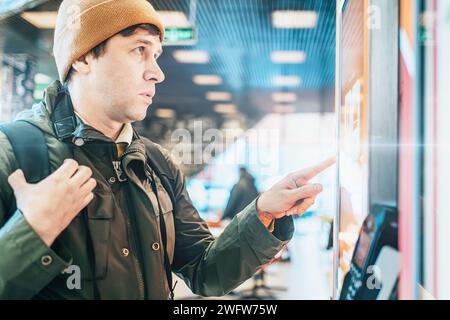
x=81, y=25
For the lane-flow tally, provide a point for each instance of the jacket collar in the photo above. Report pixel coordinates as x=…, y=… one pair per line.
x=68, y=125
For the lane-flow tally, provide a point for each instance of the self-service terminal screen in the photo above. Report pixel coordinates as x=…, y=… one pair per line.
x=367, y=260
x=368, y=257
x=353, y=134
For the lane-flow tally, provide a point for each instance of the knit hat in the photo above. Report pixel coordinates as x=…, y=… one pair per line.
x=81, y=25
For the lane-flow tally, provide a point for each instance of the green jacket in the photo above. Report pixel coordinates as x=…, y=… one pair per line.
x=125, y=260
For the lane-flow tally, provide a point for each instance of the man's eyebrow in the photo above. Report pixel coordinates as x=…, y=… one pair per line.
x=149, y=43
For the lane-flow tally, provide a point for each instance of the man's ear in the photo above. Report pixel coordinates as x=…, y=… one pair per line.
x=83, y=64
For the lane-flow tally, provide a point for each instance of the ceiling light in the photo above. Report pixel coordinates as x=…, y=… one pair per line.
x=191, y=56
x=290, y=19
x=218, y=96
x=207, y=80
x=174, y=19
x=225, y=108
x=165, y=113
x=41, y=19
x=281, y=97
x=288, y=56
x=286, y=81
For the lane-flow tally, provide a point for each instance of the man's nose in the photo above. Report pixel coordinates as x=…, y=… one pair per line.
x=154, y=73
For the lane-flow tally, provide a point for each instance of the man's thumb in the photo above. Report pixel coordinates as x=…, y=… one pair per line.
x=17, y=180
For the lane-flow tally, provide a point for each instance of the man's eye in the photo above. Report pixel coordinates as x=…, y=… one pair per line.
x=140, y=50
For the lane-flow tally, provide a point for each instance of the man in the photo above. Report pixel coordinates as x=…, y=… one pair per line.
x=241, y=195
x=101, y=208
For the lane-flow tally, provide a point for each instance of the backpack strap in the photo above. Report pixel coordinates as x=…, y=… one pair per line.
x=31, y=152
x=30, y=149
x=159, y=164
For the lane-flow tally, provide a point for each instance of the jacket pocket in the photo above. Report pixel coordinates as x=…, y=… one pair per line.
x=100, y=213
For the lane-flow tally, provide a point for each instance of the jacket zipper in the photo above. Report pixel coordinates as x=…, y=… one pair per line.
x=139, y=275
x=132, y=231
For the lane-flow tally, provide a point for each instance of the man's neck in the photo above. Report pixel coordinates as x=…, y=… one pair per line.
x=112, y=130
x=98, y=120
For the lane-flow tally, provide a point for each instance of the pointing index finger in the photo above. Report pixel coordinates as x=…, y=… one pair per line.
x=311, y=172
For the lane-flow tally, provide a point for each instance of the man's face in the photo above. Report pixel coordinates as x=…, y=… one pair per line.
x=124, y=77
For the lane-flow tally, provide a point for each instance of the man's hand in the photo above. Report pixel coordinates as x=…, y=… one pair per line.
x=50, y=205
x=292, y=195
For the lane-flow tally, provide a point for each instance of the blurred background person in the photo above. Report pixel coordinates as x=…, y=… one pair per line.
x=241, y=195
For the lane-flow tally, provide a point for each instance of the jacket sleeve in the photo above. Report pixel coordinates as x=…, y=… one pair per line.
x=215, y=266
x=27, y=264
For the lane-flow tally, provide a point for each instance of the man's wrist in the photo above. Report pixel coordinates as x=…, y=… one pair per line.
x=266, y=218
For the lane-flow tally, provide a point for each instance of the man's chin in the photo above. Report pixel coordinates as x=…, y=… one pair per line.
x=138, y=116
x=135, y=119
